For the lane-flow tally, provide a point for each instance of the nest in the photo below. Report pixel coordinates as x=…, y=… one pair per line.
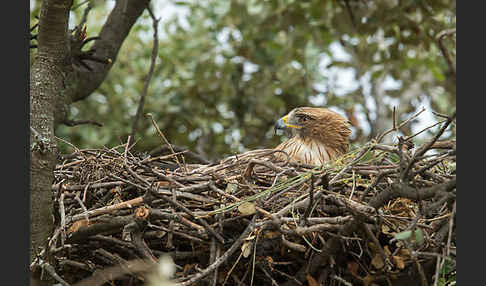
x=377, y=215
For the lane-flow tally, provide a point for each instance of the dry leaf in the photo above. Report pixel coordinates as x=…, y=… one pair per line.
x=231, y=188
x=353, y=267
x=311, y=280
x=372, y=246
x=246, y=249
x=270, y=262
x=398, y=261
x=368, y=280
x=247, y=208
x=187, y=268
x=77, y=225
x=404, y=252
x=387, y=250
x=377, y=261
x=271, y=234
x=163, y=184
x=142, y=212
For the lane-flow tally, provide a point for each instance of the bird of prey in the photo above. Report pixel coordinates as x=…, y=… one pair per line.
x=318, y=135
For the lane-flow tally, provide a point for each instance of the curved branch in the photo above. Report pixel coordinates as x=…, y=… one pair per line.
x=111, y=37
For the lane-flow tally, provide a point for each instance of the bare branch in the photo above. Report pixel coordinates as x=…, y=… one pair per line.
x=440, y=37
x=149, y=74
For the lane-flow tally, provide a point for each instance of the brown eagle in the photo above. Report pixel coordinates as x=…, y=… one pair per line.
x=317, y=135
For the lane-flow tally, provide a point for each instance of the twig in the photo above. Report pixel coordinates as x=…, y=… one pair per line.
x=165, y=140
x=341, y=280
x=223, y=257
x=440, y=37
x=423, y=130
x=262, y=268
x=293, y=245
x=108, y=209
x=155, y=49
x=364, y=150
x=91, y=186
x=424, y=148
x=451, y=224
x=186, y=210
x=80, y=4
x=311, y=201
x=84, y=18
x=395, y=128
x=47, y=267
x=63, y=218
x=81, y=122
x=111, y=273
x=350, y=12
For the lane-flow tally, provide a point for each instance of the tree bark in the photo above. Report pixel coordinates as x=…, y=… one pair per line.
x=46, y=83
x=53, y=85
x=114, y=31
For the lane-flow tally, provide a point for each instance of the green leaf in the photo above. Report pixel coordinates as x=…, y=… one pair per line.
x=419, y=236
x=181, y=3
x=403, y=235
x=447, y=268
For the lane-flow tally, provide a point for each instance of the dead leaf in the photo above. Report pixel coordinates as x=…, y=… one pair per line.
x=271, y=234
x=246, y=249
x=387, y=250
x=398, y=261
x=77, y=225
x=142, y=212
x=247, y=208
x=377, y=261
x=353, y=267
x=311, y=280
x=163, y=184
x=231, y=188
x=385, y=229
x=270, y=262
x=368, y=280
x=188, y=268
x=373, y=247
x=404, y=252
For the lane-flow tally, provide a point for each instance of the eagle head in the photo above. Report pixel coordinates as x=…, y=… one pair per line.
x=317, y=135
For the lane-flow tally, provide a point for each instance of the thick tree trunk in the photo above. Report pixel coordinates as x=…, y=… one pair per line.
x=53, y=85
x=46, y=84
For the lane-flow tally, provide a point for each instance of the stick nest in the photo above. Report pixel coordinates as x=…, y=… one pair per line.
x=377, y=215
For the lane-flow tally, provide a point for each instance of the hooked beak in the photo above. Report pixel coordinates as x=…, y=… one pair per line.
x=282, y=123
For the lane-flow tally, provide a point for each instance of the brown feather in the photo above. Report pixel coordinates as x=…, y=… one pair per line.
x=323, y=135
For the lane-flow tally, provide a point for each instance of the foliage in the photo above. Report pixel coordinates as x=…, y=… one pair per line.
x=228, y=69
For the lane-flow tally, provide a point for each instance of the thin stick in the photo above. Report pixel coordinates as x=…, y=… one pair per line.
x=63, y=218
x=424, y=148
x=440, y=37
x=46, y=266
x=149, y=74
x=451, y=223
x=423, y=130
x=108, y=209
x=395, y=128
x=72, y=123
x=222, y=258
x=85, y=210
x=165, y=139
x=311, y=201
